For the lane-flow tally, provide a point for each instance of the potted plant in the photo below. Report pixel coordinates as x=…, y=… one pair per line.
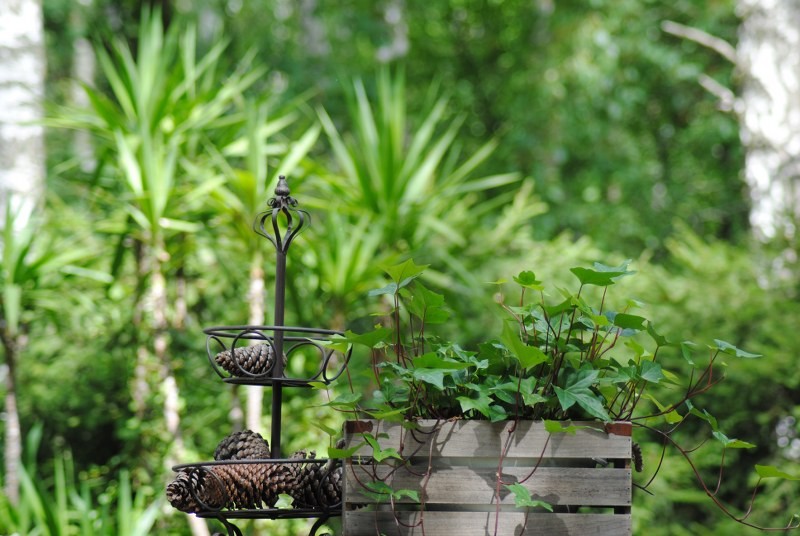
x=532, y=428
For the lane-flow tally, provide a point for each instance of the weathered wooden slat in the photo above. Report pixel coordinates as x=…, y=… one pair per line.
x=483, y=524
x=466, y=438
x=461, y=495
x=470, y=486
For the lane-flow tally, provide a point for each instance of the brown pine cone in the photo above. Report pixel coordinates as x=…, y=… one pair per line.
x=247, y=361
x=319, y=485
x=244, y=445
x=192, y=485
x=233, y=486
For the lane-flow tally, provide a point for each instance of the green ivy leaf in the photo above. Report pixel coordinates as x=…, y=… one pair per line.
x=523, y=499
x=284, y=502
x=389, y=414
x=378, y=490
x=731, y=443
x=432, y=360
x=371, y=339
x=528, y=356
x=578, y=391
x=730, y=349
x=379, y=454
x=427, y=305
x=480, y=404
x=344, y=402
x=651, y=372
x=433, y=377
x=686, y=351
x=410, y=493
x=671, y=417
x=338, y=454
x=769, y=471
x=390, y=289
x=325, y=428
x=528, y=279
x=660, y=340
x=402, y=274
x=557, y=427
x=601, y=275
x=626, y=321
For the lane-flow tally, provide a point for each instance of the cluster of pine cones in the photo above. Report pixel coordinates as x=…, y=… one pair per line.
x=254, y=485
x=256, y=360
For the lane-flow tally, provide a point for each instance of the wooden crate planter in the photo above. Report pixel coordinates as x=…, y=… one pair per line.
x=585, y=476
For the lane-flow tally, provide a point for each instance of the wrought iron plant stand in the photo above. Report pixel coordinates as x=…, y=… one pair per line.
x=248, y=475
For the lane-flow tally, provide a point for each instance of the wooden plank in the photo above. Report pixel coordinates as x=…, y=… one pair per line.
x=471, y=486
x=362, y=523
x=467, y=438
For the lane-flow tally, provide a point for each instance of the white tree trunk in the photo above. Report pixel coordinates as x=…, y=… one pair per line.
x=255, y=298
x=768, y=58
x=83, y=70
x=13, y=432
x=22, y=73
x=22, y=171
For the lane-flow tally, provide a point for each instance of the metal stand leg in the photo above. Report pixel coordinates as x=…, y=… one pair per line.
x=232, y=530
x=315, y=527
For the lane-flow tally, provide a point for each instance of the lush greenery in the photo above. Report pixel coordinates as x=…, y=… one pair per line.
x=506, y=136
x=570, y=359
x=576, y=358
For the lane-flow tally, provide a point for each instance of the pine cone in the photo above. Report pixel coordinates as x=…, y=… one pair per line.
x=233, y=486
x=638, y=462
x=192, y=485
x=244, y=445
x=247, y=360
x=319, y=486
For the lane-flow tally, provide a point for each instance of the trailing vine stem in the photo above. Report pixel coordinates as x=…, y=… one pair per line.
x=793, y=523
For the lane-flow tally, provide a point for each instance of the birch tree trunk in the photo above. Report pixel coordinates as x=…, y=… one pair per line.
x=83, y=72
x=768, y=58
x=22, y=173
x=156, y=304
x=255, y=298
x=13, y=434
x=22, y=73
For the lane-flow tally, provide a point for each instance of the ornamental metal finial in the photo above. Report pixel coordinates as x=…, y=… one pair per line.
x=282, y=203
x=282, y=198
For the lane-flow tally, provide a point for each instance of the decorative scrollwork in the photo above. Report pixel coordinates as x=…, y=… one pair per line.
x=285, y=204
x=245, y=354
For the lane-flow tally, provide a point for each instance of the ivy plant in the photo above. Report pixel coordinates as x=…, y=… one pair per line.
x=561, y=354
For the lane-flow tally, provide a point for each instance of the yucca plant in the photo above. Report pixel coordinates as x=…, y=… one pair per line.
x=167, y=109
x=410, y=176
x=402, y=178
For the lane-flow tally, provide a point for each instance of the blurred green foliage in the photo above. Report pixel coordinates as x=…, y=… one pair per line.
x=614, y=149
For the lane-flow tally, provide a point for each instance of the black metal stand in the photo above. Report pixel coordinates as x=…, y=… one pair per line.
x=283, y=341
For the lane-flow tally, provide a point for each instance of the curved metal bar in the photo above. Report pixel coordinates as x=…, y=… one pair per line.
x=209, y=353
x=226, y=330
x=295, y=339
x=285, y=204
x=259, y=337
x=250, y=461
x=232, y=529
x=205, y=506
x=315, y=527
